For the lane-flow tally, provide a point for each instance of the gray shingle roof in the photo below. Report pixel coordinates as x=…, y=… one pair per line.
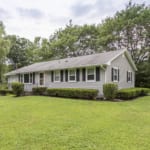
x=81, y=61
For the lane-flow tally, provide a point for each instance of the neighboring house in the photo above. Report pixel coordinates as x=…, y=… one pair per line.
x=90, y=71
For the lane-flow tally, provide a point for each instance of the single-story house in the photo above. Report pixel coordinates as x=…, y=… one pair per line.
x=90, y=71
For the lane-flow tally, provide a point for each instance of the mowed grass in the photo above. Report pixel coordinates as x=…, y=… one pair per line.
x=44, y=123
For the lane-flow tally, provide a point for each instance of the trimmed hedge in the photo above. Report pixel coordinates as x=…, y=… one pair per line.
x=39, y=90
x=17, y=88
x=73, y=93
x=110, y=90
x=4, y=92
x=131, y=93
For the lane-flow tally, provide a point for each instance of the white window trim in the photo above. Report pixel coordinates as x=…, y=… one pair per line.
x=87, y=74
x=22, y=75
x=69, y=75
x=43, y=79
x=29, y=78
x=54, y=76
x=116, y=81
x=131, y=77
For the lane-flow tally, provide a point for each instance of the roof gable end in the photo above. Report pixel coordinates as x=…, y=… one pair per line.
x=131, y=62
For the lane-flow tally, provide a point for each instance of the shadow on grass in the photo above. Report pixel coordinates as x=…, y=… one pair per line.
x=23, y=97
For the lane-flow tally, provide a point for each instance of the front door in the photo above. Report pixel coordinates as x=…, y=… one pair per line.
x=41, y=79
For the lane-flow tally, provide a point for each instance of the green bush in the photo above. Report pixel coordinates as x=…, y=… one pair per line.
x=39, y=90
x=73, y=93
x=18, y=88
x=110, y=90
x=5, y=92
x=131, y=93
x=144, y=91
x=3, y=86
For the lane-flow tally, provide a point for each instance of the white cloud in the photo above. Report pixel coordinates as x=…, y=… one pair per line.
x=28, y=18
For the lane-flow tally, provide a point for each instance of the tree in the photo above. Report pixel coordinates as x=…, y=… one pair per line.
x=41, y=50
x=74, y=40
x=20, y=53
x=143, y=75
x=4, y=48
x=128, y=29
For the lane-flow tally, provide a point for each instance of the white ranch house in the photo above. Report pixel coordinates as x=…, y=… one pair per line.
x=90, y=71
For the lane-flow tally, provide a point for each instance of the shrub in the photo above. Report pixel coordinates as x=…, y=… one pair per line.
x=18, y=88
x=73, y=93
x=144, y=91
x=110, y=90
x=3, y=86
x=39, y=90
x=131, y=93
x=5, y=92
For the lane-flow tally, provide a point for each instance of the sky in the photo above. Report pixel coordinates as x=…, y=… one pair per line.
x=31, y=18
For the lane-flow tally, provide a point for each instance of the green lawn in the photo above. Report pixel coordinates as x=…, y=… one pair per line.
x=44, y=123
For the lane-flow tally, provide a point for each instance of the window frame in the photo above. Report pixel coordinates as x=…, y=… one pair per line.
x=55, y=75
x=21, y=78
x=94, y=73
x=75, y=78
x=117, y=71
x=129, y=76
x=24, y=78
x=43, y=79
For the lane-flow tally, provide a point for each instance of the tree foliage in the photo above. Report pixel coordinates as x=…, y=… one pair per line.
x=41, y=49
x=74, y=40
x=20, y=50
x=128, y=29
x=143, y=74
x=4, y=49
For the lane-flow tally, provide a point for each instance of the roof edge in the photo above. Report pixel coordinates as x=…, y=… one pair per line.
x=128, y=57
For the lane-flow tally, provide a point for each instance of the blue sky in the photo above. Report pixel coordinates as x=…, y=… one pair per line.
x=30, y=18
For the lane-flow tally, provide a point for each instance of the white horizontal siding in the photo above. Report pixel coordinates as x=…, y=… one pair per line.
x=122, y=63
x=81, y=84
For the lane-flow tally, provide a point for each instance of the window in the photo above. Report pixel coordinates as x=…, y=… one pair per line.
x=57, y=76
x=21, y=78
x=41, y=78
x=129, y=76
x=26, y=78
x=115, y=74
x=72, y=75
x=90, y=74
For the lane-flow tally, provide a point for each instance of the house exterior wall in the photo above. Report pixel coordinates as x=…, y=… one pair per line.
x=122, y=63
x=10, y=79
x=13, y=78
x=80, y=84
x=75, y=84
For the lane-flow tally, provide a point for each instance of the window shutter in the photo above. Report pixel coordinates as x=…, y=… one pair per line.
x=52, y=76
x=61, y=75
x=83, y=74
x=131, y=76
x=78, y=75
x=127, y=76
x=19, y=77
x=97, y=73
x=33, y=77
x=112, y=74
x=66, y=75
x=118, y=74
